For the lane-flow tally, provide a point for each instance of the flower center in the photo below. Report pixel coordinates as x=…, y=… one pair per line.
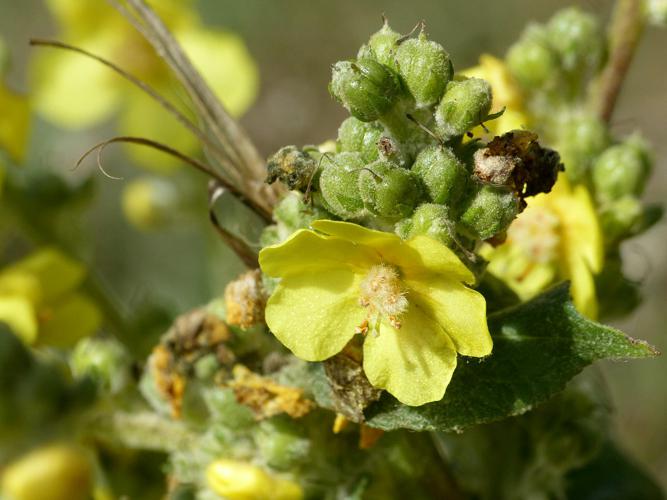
x=535, y=231
x=383, y=294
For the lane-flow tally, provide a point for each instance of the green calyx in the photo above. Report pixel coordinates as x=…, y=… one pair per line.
x=389, y=191
x=489, y=211
x=577, y=38
x=532, y=60
x=442, y=173
x=339, y=187
x=365, y=87
x=465, y=104
x=582, y=137
x=425, y=68
x=621, y=170
x=428, y=219
x=382, y=46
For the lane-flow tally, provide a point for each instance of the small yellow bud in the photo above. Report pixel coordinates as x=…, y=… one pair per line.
x=238, y=480
x=56, y=472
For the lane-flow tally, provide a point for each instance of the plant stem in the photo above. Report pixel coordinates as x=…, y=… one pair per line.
x=143, y=430
x=626, y=27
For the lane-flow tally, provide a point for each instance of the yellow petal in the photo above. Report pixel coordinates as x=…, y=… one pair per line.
x=581, y=249
x=68, y=320
x=380, y=240
x=19, y=313
x=314, y=314
x=55, y=272
x=432, y=257
x=14, y=123
x=20, y=283
x=226, y=65
x=414, y=363
x=306, y=252
x=460, y=312
x=73, y=91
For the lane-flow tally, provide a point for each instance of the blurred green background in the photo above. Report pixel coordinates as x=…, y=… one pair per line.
x=294, y=43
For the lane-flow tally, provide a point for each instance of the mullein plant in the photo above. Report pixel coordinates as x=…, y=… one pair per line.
x=404, y=330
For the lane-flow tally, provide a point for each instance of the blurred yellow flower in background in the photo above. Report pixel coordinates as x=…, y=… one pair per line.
x=506, y=94
x=40, y=302
x=75, y=92
x=557, y=236
x=14, y=117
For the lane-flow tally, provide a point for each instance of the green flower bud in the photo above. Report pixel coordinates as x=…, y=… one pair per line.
x=582, y=138
x=293, y=213
x=281, y=444
x=532, y=60
x=105, y=360
x=293, y=167
x=489, y=211
x=389, y=191
x=432, y=220
x=466, y=103
x=425, y=68
x=382, y=46
x=442, y=173
x=355, y=135
x=150, y=203
x=339, y=185
x=620, y=217
x=621, y=170
x=578, y=39
x=365, y=87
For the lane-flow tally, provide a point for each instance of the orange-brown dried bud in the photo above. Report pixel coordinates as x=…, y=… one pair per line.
x=245, y=300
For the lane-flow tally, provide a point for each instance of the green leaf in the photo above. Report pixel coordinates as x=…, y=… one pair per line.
x=538, y=347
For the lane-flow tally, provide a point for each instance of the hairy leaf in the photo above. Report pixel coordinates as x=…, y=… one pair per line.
x=538, y=347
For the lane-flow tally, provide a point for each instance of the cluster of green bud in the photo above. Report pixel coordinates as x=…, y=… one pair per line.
x=555, y=63
x=560, y=56
x=403, y=159
x=618, y=177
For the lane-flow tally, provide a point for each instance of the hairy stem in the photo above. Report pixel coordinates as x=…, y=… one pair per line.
x=144, y=430
x=625, y=31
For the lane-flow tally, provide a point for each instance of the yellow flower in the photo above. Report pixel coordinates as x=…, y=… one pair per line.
x=407, y=298
x=506, y=94
x=39, y=301
x=75, y=92
x=14, y=119
x=56, y=472
x=558, y=236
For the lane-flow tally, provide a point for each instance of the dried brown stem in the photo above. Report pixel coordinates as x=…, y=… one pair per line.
x=202, y=167
x=247, y=254
x=187, y=123
x=625, y=32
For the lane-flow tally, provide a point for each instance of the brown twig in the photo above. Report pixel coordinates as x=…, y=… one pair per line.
x=248, y=255
x=202, y=167
x=187, y=123
x=625, y=32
